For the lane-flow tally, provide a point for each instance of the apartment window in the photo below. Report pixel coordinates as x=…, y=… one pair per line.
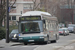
x=27, y=6
x=13, y=17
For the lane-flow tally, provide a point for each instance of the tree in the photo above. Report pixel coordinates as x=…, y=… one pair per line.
x=36, y=4
x=3, y=9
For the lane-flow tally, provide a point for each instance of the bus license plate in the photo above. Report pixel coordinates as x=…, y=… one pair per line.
x=30, y=40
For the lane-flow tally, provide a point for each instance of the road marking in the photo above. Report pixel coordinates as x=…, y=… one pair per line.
x=37, y=48
x=21, y=46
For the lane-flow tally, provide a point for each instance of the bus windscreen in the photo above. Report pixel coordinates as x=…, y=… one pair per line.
x=33, y=27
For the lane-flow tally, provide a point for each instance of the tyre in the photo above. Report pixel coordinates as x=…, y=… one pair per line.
x=45, y=42
x=25, y=43
x=53, y=41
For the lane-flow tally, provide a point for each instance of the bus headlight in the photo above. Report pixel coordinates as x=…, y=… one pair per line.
x=41, y=37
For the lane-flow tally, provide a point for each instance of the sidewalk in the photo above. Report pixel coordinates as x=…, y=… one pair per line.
x=3, y=43
x=69, y=45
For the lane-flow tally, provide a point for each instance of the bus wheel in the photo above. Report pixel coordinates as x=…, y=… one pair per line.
x=53, y=41
x=45, y=42
x=25, y=43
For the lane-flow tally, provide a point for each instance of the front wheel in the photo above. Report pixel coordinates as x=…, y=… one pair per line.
x=25, y=43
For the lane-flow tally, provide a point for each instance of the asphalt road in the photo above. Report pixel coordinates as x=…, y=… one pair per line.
x=62, y=40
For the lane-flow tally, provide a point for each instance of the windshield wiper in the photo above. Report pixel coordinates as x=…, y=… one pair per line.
x=34, y=32
x=24, y=32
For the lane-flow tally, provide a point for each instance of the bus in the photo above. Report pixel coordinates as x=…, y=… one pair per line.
x=38, y=27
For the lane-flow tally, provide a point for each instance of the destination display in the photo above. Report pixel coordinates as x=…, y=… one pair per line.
x=30, y=18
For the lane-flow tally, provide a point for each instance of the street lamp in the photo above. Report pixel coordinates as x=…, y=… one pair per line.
x=7, y=16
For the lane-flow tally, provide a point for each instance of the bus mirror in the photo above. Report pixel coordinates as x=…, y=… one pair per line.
x=43, y=21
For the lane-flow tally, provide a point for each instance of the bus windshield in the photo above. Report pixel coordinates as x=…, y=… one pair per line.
x=31, y=26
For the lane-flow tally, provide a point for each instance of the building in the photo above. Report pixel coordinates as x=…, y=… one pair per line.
x=62, y=9
x=68, y=12
x=20, y=7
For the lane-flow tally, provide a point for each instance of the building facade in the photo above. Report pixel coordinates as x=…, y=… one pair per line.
x=21, y=6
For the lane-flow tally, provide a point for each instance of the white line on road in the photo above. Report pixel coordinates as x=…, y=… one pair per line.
x=22, y=46
x=37, y=48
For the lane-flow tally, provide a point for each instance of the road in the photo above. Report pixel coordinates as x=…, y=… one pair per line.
x=64, y=40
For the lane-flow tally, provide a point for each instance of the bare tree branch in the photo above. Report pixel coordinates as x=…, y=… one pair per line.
x=36, y=6
x=13, y=3
x=3, y=10
x=34, y=2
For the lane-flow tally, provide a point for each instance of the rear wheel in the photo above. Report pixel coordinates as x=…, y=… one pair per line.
x=53, y=41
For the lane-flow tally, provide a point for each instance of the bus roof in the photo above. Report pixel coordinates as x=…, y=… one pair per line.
x=33, y=13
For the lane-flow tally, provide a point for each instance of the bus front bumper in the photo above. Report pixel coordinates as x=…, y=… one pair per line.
x=33, y=39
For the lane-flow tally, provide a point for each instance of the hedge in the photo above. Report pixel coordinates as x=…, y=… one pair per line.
x=2, y=33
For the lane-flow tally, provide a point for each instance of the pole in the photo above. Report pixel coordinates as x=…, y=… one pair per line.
x=68, y=3
x=71, y=4
x=7, y=27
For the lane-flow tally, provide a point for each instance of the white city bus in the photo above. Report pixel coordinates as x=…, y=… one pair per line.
x=38, y=27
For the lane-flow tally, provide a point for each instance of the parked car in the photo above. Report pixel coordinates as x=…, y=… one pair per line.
x=13, y=36
x=63, y=31
x=71, y=28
